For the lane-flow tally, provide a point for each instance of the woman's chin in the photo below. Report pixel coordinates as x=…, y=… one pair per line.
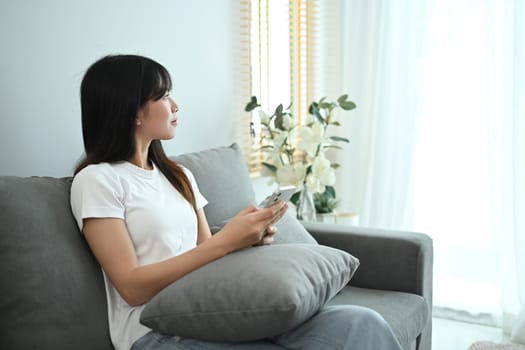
x=171, y=134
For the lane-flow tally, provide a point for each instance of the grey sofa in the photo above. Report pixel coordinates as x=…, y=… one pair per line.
x=52, y=291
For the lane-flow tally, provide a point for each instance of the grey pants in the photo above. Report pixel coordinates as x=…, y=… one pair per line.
x=332, y=328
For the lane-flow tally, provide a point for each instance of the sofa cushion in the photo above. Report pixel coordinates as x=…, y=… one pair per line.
x=251, y=294
x=52, y=288
x=406, y=313
x=224, y=180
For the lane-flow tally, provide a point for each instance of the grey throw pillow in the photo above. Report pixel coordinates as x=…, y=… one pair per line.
x=251, y=294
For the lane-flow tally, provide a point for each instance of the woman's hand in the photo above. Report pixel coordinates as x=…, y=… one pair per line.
x=252, y=226
x=268, y=237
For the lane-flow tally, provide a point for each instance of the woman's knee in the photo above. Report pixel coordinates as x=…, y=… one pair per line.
x=362, y=316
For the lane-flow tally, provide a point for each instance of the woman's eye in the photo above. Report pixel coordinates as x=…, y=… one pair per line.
x=166, y=95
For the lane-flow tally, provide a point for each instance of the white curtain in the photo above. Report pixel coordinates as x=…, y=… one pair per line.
x=437, y=140
x=377, y=48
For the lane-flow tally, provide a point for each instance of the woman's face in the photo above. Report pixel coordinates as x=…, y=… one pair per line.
x=157, y=120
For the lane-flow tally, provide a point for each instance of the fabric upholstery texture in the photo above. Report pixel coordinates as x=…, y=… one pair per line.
x=251, y=294
x=52, y=292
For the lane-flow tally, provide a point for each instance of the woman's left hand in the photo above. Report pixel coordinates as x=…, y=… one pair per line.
x=268, y=237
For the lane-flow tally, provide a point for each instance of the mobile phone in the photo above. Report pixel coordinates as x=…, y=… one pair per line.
x=281, y=194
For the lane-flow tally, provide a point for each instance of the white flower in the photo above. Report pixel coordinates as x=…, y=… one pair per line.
x=322, y=168
x=312, y=137
x=310, y=119
x=274, y=156
x=266, y=172
x=280, y=138
x=288, y=122
x=322, y=175
x=313, y=184
x=288, y=175
x=263, y=116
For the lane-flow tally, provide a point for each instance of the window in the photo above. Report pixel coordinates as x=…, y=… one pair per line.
x=282, y=61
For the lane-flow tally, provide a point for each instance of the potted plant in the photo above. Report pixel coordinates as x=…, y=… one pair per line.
x=295, y=154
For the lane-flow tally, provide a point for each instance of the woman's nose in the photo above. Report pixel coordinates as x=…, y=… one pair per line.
x=174, y=106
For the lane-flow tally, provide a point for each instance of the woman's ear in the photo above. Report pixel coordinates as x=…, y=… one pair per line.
x=141, y=114
x=140, y=117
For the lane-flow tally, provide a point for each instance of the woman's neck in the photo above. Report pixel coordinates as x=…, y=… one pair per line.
x=140, y=157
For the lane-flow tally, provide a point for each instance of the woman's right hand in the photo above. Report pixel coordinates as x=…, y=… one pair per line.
x=249, y=226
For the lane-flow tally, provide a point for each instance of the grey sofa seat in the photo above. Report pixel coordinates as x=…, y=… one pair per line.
x=52, y=292
x=406, y=313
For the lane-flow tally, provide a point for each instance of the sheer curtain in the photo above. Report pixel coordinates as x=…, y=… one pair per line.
x=437, y=140
x=378, y=49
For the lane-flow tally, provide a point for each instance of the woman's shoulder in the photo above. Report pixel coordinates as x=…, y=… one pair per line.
x=94, y=170
x=96, y=173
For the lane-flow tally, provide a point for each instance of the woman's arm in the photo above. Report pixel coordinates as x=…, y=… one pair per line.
x=110, y=242
x=204, y=232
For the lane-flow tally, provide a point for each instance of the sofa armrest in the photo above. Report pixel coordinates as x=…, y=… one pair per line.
x=390, y=260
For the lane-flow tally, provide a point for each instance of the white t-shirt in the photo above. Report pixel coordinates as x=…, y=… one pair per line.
x=160, y=222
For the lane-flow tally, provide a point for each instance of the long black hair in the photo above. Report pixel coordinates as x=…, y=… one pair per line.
x=113, y=90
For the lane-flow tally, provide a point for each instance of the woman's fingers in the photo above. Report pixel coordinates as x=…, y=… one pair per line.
x=266, y=240
x=278, y=213
x=271, y=230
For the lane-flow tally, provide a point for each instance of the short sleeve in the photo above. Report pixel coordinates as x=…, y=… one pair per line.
x=96, y=192
x=200, y=201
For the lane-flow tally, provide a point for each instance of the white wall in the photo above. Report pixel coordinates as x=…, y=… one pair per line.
x=47, y=45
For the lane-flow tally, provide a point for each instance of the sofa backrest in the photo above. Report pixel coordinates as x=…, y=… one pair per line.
x=52, y=292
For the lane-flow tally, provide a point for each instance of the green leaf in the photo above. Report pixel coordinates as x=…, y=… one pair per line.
x=338, y=138
x=325, y=202
x=314, y=110
x=250, y=106
x=279, y=110
x=342, y=98
x=327, y=105
x=295, y=198
x=271, y=167
x=347, y=105
x=333, y=146
x=335, y=165
x=279, y=122
x=330, y=191
x=335, y=123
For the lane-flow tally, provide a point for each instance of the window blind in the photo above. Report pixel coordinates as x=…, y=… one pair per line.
x=283, y=63
x=243, y=77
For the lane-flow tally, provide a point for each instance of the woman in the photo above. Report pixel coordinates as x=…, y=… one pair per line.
x=142, y=215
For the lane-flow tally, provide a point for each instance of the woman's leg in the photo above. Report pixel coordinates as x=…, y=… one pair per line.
x=344, y=327
x=156, y=341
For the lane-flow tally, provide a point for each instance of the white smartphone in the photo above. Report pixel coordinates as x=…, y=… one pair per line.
x=281, y=194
